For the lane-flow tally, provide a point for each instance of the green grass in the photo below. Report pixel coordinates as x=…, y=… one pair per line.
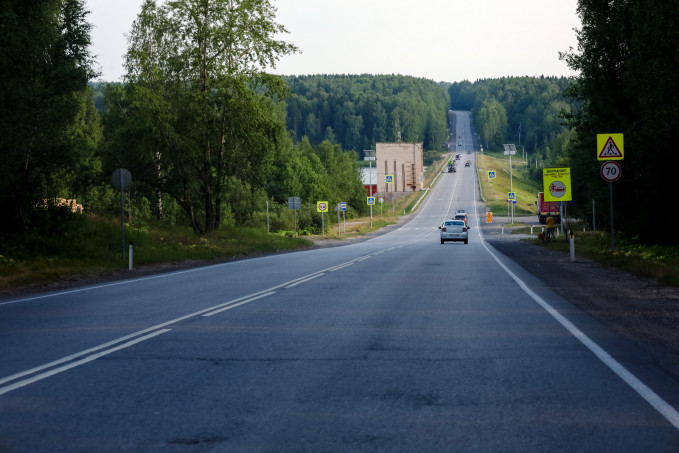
x=495, y=191
x=657, y=262
x=95, y=247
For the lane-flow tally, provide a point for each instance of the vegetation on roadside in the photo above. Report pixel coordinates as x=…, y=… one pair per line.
x=93, y=247
x=652, y=261
x=495, y=190
x=657, y=262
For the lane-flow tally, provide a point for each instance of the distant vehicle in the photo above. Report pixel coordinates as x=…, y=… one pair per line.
x=461, y=216
x=454, y=230
x=547, y=208
x=451, y=167
x=467, y=164
x=460, y=144
x=460, y=211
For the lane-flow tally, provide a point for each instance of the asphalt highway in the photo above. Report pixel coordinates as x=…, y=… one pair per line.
x=398, y=343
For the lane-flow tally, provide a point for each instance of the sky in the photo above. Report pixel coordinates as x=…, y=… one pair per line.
x=440, y=40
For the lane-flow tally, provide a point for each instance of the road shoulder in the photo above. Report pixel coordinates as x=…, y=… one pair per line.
x=640, y=309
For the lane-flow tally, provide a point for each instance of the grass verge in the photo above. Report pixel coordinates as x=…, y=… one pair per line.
x=657, y=262
x=95, y=248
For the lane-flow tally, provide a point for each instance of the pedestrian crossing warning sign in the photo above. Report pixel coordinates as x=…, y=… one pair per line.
x=610, y=147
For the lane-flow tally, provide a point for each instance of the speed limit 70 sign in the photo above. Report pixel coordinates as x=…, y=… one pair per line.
x=611, y=171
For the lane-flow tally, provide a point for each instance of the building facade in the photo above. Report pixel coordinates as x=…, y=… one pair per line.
x=403, y=165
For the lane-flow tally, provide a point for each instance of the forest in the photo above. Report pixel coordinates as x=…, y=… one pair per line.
x=526, y=111
x=212, y=138
x=358, y=111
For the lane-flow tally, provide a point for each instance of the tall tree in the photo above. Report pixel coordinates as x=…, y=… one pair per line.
x=198, y=70
x=627, y=58
x=45, y=66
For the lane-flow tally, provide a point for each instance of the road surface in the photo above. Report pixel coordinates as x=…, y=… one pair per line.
x=398, y=343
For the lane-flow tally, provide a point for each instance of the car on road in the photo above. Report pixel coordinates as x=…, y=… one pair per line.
x=462, y=216
x=467, y=164
x=454, y=230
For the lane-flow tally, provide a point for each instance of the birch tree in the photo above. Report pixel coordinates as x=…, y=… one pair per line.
x=198, y=68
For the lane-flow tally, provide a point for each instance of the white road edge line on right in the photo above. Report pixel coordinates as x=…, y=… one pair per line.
x=652, y=398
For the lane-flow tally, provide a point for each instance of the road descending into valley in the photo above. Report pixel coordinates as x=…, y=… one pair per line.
x=396, y=344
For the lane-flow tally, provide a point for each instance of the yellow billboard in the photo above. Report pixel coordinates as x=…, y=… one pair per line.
x=556, y=184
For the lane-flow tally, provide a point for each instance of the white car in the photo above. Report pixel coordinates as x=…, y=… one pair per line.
x=454, y=230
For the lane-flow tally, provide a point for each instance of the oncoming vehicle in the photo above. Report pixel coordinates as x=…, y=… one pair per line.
x=467, y=164
x=454, y=230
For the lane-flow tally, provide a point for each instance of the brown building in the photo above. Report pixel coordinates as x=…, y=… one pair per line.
x=403, y=164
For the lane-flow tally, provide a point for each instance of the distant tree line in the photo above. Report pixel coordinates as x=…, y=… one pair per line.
x=357, y=111
x=525, y=111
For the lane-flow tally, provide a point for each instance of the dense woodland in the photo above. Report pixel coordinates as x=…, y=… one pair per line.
x=211, y=138
x=359, y=111
x=526, y=111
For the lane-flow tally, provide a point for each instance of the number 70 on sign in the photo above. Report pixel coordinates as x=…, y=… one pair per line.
x=611, y=171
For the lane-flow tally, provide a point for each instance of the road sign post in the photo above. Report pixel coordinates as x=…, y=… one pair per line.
x=510, y=150
x=322, y=207
x=294, y=203
x=122, y=178
x=371, y=203
x=610, y=147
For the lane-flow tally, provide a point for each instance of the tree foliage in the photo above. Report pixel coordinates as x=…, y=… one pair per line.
x=627, y=58
x=525, y=111
x=358, y=111
x=47, y=129
x=197, y=83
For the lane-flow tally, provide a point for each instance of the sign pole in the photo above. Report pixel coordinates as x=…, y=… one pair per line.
x=122, y=213
x=511, y=186
x=120, y=179
x=610, y=191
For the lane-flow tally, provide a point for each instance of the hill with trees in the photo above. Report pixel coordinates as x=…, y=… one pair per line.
x=357, y=111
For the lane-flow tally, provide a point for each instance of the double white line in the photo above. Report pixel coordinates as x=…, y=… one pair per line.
x=41, y=372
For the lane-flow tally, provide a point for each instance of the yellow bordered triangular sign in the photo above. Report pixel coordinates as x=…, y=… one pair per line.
x=610, y=147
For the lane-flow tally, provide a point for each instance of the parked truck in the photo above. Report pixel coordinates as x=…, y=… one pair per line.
x=547, y=208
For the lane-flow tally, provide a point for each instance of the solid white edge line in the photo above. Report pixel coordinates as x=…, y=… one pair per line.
x=652, y=398
x=87, y=359
x=239, y=304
